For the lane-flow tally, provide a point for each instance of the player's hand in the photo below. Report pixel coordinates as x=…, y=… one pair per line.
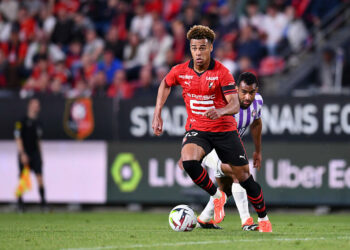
x=179, y=163
x=157, y=125
x=213, y=114
x=257, y=160
x=24, y=159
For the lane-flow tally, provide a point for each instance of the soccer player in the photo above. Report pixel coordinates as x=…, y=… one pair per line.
x=211, y=99
x=27, y=133
x=249, y=116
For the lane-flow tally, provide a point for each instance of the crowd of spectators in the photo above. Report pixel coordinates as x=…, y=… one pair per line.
x=118, y=48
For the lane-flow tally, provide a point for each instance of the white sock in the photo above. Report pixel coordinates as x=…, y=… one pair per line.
x=217, y=195
x=263, y=219
x=208, y=212
x=240, y=196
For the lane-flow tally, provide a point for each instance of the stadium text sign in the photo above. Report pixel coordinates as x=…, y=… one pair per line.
x=322, y=118
x=291, y=173
x=283, y=174
x=307, y=119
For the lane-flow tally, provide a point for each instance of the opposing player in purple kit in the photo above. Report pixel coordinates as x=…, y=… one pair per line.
x=249, y=116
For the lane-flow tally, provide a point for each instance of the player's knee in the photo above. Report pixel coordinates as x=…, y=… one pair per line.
x=227, y=170
x=241, y=173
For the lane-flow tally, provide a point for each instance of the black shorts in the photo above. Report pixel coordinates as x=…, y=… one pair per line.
x=228, y=145
x=35, y=163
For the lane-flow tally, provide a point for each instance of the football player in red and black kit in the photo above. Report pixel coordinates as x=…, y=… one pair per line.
x=210, y=95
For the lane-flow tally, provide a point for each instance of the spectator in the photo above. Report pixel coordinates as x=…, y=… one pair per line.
x=250, y=46
x=228, y=24
x=9, y=9
x=42, y=46
x=171, y=9
x=274, y=24
x=141, y=23
x=145, y=87
x=327, y=70
x=230, y=64
x=5, y=29
x=47, y=21
x=135, y=53
x=296, y=31
x=159, y=44
x=27, y=24
x=81, y=89
x=81, y=24
x=245, y=65
x=33, y=6
x=99, y=84
x=15, y=51
x=114, y=43
x=62, y=33
x=109, y=65
x=3, y=67
x=94, y=45
x=189, y=17
x=180, y=42
x=120, y=87
x=73, y=59
x=253, y=17
x=70, y=6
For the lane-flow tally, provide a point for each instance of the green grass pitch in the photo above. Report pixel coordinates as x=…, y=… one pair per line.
x=125, y=230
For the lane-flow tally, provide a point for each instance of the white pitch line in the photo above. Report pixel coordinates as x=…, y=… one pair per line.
x=205, y=242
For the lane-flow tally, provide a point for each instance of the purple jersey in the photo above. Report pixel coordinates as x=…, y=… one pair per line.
x=246, y=117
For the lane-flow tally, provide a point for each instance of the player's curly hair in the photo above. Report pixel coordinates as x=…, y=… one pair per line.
x=201, y=32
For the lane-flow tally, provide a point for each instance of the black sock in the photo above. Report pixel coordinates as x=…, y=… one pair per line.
x=199, y=176
x=255, y=196
x=42, y=195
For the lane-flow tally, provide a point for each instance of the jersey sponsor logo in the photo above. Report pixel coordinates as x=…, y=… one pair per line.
x=199, y=107
x=187, y=77
x=188, y=83
x=78, y=119
x=212, y=78
x=202, y=97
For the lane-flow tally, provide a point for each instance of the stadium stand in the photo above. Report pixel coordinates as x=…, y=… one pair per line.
x=107, y=48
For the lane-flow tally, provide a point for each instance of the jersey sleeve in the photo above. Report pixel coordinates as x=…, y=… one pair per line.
x=228, y=85
x=170, y=78
x=18, y=129
x=260, y=102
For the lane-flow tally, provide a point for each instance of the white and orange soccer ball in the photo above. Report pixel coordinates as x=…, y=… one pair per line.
x=182, y=218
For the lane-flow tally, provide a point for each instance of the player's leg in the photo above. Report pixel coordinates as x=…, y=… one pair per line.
x=37, y=168
x=230, y=150
x=240, y=196
x=195, y=147
x=20, y=203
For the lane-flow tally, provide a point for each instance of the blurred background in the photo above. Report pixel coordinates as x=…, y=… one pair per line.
x=95, y=66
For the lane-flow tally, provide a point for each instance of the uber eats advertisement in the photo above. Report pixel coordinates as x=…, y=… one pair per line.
x=291, y=174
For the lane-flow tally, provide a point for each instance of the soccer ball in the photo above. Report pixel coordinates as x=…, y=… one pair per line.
x=182, y=218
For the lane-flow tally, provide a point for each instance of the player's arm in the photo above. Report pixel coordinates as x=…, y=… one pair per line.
x=231, y=108
x=19, y=143
x=255, y=130
x=163, y=93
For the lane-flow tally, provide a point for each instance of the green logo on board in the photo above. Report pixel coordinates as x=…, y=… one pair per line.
x=126, y=172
